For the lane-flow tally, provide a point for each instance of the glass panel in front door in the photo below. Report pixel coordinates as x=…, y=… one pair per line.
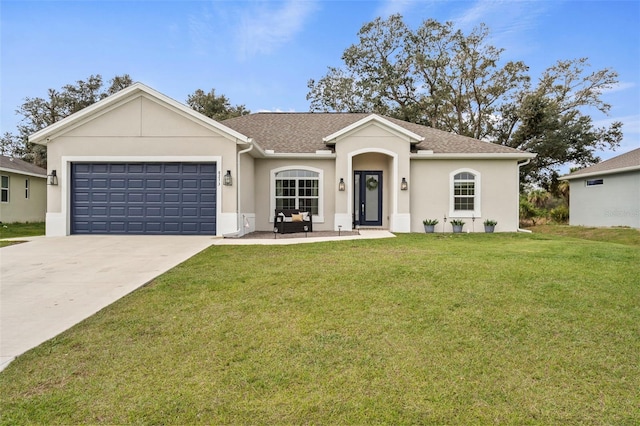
x=356, y=198
x=371, y=198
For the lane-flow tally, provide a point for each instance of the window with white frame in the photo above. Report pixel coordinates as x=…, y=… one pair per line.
x=297, y=188
x=4, y=189
x=26, y=188
x=465, y=193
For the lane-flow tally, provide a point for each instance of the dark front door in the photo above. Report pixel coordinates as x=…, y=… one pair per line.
x=367, y=198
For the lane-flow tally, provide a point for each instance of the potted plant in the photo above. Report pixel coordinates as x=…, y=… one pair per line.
x=429, y=225
x=457, y=225
x=490, y=225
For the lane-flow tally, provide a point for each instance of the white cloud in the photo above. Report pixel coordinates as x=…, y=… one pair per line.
x=508, y=21
x=266, y=26
x=619, y=87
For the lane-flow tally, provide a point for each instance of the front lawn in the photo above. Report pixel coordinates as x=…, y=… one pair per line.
x=620, y=235
x=18, y=230
x=418, y=329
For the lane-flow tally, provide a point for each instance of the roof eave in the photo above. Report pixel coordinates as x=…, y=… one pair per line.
x=473, y=155
x=21, y=172
x=600, y=173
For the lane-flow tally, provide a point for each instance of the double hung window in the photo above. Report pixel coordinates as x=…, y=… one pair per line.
x=465, y=193
x=297, y=189
x=4, y=189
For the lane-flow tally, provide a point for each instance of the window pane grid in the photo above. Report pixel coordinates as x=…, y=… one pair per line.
x=297, y=189
x=464, y=191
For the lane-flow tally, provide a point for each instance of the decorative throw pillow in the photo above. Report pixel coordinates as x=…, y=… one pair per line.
x=296, y=218
x=305, y=215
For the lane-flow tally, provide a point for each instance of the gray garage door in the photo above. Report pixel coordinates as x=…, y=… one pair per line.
x=143, y=198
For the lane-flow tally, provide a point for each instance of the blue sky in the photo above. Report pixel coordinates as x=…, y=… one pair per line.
x=262, y=53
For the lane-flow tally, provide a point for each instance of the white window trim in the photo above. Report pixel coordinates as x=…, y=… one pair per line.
x=27, y=188
x=319, y=218
x=2, y=188
x=477, y=212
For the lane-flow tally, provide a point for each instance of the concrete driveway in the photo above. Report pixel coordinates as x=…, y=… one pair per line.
x=51, y=283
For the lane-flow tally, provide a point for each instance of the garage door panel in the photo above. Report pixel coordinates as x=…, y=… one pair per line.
x=143, y=198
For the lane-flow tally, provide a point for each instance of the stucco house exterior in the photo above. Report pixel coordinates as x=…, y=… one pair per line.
x=607, y=193
x=141, y=162
x=23, y=191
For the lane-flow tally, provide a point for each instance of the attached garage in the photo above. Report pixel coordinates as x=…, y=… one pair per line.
x=143, y=198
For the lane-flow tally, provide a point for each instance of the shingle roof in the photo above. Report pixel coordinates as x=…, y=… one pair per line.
x=303, y=133
x=628, y=160
x=21, y=166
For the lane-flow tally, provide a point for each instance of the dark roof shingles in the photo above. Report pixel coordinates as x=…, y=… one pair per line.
x=21, y=166
x=303, y=133
x=622, y=161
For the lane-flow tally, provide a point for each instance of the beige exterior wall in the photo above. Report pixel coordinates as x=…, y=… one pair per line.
x=431, y=193
x=375, y=148
x=264, y=196
x=140, y=129
x=614, y=203
x=21, y=208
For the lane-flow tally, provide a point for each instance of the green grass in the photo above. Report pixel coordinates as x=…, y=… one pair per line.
x=16, y=230
x=419, y=329
x=619, y=235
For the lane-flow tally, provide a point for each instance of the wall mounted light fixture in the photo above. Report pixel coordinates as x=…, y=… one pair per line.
x=341, y=185
x=404, y=185
x=52, y=178
x=227, y=180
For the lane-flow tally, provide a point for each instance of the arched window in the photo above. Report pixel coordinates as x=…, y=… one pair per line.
x=465, y=193
x=298, y=188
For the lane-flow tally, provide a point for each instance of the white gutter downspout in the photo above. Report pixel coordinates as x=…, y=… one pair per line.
x=519, y=166
x=237, y=231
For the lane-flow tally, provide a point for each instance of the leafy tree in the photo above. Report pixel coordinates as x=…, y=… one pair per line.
x=436, y=76
x=441, y=77
x=10, y=145
x=216, y=107
x=38, y=113
x=550, y=121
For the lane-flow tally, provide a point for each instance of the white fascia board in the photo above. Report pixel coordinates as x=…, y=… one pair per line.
x=474, y=156
x=20, y=172
x=601, y=173
x=43, y=136
x=375, y=118
x=301, y=155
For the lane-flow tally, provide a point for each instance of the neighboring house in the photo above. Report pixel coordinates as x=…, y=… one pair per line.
x=23, y=191
x=607, y=193
x=140, y=162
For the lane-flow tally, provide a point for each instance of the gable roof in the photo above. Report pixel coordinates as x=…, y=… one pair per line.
x=622, y=163
x=16, y=165
x=373, y=118
x=309, y=132
x=43, y=136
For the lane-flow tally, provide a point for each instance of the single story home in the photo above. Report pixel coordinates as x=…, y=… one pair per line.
x=607, y=193
x=23, y=191
x=140, y=162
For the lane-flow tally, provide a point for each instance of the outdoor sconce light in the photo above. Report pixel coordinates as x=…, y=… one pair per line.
x=404, y=185
x=341, y=185
x=227, y=181
x=52, y=178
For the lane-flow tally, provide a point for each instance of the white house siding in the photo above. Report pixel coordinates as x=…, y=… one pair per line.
x=431, y=193
x=614, y=203
x=19, y=208
x=137, y=129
